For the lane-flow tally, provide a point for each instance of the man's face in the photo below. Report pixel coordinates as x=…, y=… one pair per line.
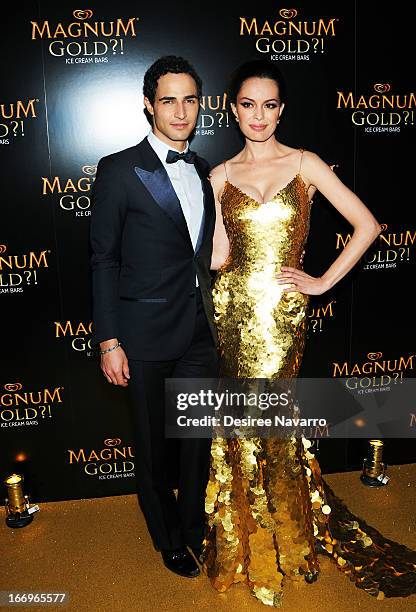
x=175, y=108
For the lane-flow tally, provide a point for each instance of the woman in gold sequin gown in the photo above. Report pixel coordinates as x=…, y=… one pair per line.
x=269, y=510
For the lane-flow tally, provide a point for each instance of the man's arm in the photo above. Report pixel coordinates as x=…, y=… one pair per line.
x=109, y=205
x=107, y=218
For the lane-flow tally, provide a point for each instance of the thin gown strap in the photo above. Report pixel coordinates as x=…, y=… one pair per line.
x=225, y=168
x=300, y=161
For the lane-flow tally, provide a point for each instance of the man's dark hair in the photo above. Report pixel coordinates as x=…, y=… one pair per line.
x=165, y=65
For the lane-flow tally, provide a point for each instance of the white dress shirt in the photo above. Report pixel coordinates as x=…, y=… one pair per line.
x=187, y=185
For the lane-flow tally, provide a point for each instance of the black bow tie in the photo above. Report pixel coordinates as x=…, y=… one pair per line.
x=173, y=156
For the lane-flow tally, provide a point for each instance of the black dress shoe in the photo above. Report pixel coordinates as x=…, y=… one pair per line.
x=198, y=553
x=181, y=562
x=320, y=549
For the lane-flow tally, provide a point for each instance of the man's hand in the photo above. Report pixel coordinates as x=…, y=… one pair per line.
x=114, y=364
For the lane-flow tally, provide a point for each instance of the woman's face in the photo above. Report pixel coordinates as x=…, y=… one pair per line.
x=258, y=108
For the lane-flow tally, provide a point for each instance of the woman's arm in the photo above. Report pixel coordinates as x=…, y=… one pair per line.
x=221, y=245
x=366, y=228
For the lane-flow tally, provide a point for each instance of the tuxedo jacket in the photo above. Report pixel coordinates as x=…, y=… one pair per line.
x=143, y=261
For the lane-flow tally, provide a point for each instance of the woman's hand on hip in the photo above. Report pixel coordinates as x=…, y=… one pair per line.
x=298, y=280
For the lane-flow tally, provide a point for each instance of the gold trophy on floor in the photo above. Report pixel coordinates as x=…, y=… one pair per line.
x=18, y=510
x=374, y=470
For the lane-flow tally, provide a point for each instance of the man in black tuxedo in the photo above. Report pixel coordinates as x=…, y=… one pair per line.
x=152, y=226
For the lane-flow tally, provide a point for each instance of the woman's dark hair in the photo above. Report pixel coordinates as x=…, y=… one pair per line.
x=165, y=65
x=263, y=69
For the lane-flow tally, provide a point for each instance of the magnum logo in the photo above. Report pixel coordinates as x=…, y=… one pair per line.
x=289, y=37
x=79, y=333
x=213, y=115
x=74, y=193
x=389, y=250
x=318, y=314
x=106, y=463
x=381, y=111
x=24, y=408
x=20, y=271
x=13, y=115
x=374, y=374
x=87, y=51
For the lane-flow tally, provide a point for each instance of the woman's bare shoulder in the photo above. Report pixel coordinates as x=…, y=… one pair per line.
x=286, y=150
x=295, y=151
x=218, y=178
x=218, y=172
x=312, y=160
x=221, y=169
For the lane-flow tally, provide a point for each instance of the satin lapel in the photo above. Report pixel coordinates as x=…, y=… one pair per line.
x=160, y=188
x=156, y=180
x=208, y=204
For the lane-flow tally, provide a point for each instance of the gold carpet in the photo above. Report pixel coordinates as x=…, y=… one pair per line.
x=99, y=552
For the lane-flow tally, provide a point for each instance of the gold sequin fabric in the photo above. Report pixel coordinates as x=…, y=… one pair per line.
x=269, y=510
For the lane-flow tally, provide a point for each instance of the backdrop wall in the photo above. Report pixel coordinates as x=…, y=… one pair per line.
x=71, y=93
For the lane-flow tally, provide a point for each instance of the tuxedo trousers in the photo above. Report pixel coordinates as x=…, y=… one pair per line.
x=163, y=464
